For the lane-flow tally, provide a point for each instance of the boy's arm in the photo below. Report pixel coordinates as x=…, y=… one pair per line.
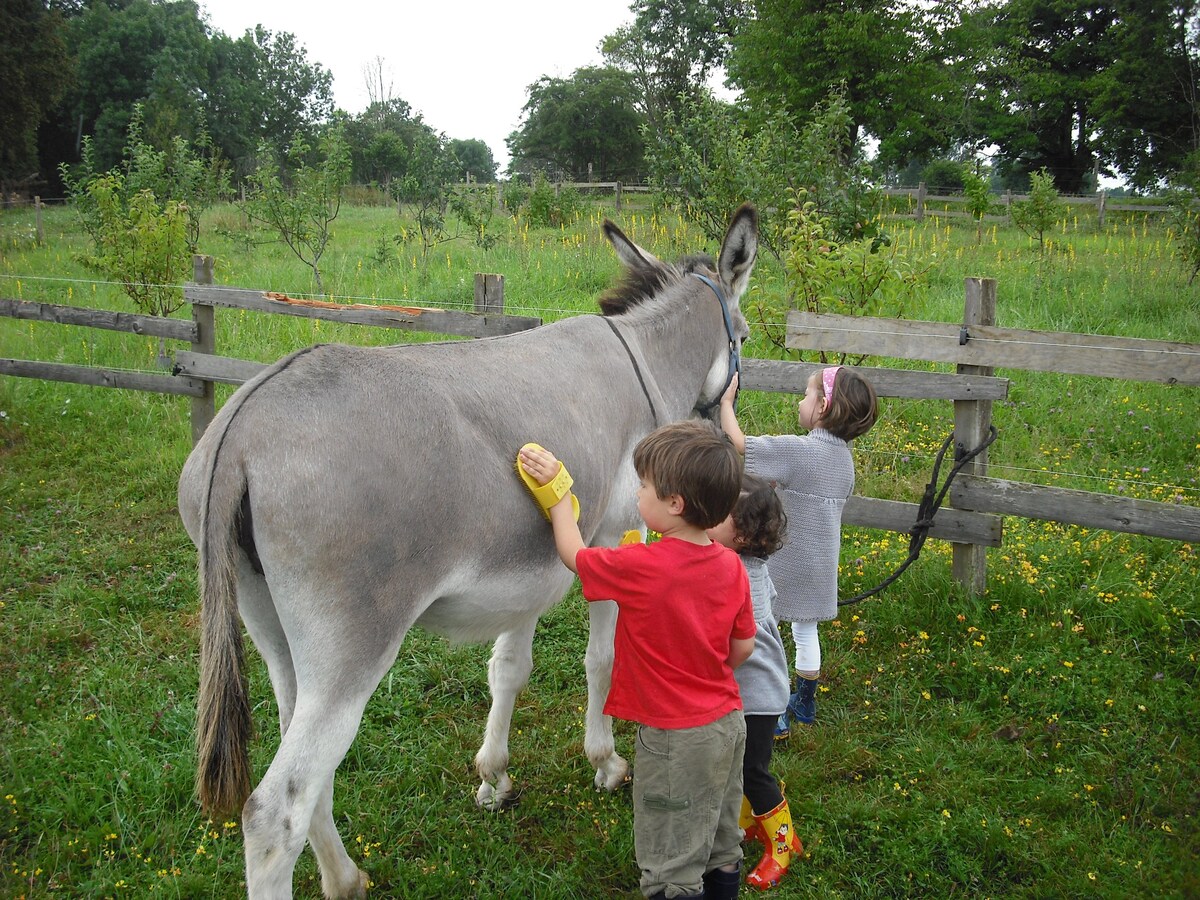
x=568, y=540
x=739, y=651
x=729, y=422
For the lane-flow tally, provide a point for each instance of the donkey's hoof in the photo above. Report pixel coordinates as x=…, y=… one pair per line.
x=614, y=775
x=493, y=800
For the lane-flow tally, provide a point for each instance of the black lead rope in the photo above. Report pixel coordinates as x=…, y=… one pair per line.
x=927, y=508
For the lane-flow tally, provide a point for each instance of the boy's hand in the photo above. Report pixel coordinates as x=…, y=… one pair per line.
x=541, y=464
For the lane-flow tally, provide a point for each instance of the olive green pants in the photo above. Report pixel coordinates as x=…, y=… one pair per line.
x=687, y=792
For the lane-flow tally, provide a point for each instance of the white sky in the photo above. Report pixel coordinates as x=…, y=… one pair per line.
x=463, y=64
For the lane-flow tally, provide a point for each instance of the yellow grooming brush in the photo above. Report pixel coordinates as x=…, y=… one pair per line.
x=546, y=495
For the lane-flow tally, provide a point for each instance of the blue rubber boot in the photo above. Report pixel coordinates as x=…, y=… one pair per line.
x=803, y=704
x=802, y=707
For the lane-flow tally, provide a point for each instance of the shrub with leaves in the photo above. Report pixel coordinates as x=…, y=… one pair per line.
x=298, y=198
x=188, y=173
x=712, y=157
x=824, y=274
x=1037, y=215
x=1183, y=217
x=978, y=194
x=550, y=207
x=475, y=206
x=140, y=244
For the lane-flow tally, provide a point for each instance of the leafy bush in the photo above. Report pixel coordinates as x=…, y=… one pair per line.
x=943, y=176
x=191, y=175
x=712, y=157
x=979, y=199
x=863, y=277
x=550, y=207
x=1037, y=215
x=298, y=200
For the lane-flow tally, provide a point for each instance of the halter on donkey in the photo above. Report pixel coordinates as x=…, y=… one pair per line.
x=347, y=494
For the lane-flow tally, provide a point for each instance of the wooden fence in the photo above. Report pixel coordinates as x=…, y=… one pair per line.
x=972, y=522
x=921, y=198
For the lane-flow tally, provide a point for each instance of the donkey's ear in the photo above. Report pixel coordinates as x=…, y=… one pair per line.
x=633, y=256
x=739, y=249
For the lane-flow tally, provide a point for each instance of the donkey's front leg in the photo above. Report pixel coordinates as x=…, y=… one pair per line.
x=508, y=673
x=611, y=768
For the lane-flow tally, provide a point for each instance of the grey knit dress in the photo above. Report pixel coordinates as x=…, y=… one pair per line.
x=814, y=475
x=763, y=679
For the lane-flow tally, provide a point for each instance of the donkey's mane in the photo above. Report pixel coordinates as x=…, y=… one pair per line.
x=635, y=286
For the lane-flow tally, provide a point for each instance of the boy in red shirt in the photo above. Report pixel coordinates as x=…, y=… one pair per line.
x=685, y=622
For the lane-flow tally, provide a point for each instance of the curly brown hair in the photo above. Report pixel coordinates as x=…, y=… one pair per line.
x=758, y=518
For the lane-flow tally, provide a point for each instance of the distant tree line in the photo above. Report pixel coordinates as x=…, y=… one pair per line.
x=75, y=69
x=1072, y=88
x=1076, y=88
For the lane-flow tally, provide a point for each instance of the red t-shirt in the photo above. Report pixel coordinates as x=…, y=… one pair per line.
x=680, y=605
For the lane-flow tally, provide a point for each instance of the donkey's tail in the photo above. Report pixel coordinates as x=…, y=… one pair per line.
x=223, y=721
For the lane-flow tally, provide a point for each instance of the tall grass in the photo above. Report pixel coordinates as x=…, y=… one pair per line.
x=1037, y=741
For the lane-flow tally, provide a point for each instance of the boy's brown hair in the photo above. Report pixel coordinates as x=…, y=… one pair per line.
x=759, y=521
x=696, y=461
x=852, y=410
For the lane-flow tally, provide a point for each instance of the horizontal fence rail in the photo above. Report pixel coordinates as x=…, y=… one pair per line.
x=411, y=318
x=1104, y=356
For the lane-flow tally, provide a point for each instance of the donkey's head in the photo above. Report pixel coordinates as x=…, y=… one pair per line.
x=645, y=276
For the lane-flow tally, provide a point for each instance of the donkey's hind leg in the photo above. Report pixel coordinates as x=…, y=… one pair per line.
x=508, y=673
x=340, y=877
x=598, y=743
x=294, y=800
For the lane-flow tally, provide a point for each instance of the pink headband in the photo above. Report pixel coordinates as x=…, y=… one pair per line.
x=827, y=378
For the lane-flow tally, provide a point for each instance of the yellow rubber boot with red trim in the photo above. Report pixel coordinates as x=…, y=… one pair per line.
x=749, y=825
x=781, y=845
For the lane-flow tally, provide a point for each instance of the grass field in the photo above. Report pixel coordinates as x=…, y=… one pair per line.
x=1041, y=740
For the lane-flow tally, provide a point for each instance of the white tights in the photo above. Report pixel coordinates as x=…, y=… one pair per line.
x=808, y=648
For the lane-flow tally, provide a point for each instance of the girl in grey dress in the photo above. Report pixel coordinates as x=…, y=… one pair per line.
x=754, y=530
x=814, y=475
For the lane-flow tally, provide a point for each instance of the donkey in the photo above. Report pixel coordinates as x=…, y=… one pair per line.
x=346, y=494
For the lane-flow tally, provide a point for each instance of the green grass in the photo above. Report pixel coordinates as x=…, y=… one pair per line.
x=1038, y=741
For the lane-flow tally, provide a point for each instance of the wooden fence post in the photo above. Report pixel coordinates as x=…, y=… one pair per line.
x=39, y=231
x=921, y=201
x=489, y=294
x=204, y=407
x=618, y=196
x=972, y=418
x=1100, y=209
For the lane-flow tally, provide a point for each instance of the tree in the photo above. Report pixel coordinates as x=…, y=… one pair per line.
x=298, y=199
x=1071, y=86
x=264, y=89
x=474, y=159
x=35, y=74
x=382, y=140
x=670, y=50
x=1147, y=101
x=585, y=121
x=429, y=186
x=155, y=54
x=795, y=52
